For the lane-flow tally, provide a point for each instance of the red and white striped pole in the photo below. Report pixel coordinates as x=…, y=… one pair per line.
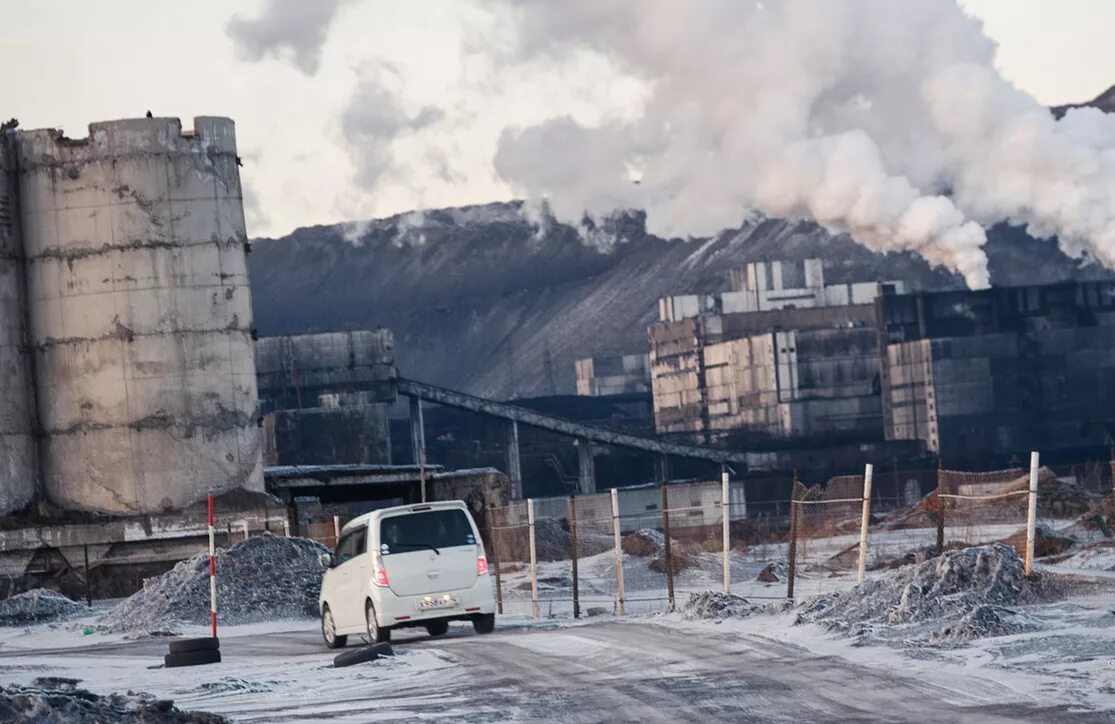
x=212, y=571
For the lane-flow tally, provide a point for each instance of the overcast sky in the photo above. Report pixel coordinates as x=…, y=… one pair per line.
x=307, y=126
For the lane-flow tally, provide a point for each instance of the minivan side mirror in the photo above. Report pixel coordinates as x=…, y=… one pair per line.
x=326, y=560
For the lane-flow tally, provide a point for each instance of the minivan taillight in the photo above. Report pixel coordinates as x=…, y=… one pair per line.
x=481, y=564
x=379, y=573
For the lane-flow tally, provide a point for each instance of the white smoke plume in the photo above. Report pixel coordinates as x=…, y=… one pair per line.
x=291, y=29
x=883, y=119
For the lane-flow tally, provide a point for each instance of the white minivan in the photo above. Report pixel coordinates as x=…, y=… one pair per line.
x=411, y=565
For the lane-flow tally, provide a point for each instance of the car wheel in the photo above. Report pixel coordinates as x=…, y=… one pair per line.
x=376, y=633
x=329, y=630
x=437, y=628
x=484, y=623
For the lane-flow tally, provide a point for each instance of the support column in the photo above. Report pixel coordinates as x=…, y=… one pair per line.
x=514, y=467
x=586, y=478
x=418, y=441
x=662, y=469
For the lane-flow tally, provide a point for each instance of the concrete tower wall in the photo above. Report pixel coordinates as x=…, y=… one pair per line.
x=140, y=314
x=18, y=466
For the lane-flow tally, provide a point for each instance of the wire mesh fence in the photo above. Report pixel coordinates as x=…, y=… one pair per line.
x=827, y=528
x=645, y=549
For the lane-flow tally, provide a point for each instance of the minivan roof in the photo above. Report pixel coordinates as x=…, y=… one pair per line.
x=367, y=518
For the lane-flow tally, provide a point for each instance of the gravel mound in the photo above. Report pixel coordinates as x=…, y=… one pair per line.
x=60, y=700
x=263, y=578
x=38, y=605
x=966, y=590
x=552, y=541
x=716, y=606
x=983, y=621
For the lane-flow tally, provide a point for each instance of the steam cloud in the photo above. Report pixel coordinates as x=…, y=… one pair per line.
x=882, y=119
x=286, y=28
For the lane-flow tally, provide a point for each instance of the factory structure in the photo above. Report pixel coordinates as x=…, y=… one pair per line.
x=785, y=366
x=133, y=386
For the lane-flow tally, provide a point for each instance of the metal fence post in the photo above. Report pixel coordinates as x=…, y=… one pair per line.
x=668, y=552
x=793, y=553
x=940, y=512
x=1032, y=513
x=619, y=552
x=868, y=472
x=533, y=560
x=725, y=517
x=573, y=555
x=88, y=585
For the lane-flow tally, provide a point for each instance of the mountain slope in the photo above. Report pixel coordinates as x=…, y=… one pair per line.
x=482, y=302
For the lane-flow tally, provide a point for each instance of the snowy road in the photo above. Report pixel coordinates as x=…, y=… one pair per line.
x=602, y=671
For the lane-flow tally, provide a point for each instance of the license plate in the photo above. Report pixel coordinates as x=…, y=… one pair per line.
x=430, y=603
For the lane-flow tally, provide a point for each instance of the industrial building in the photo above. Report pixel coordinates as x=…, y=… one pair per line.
x=981, y=377
x=326, y=397
x=627, y=374
x=782, y=357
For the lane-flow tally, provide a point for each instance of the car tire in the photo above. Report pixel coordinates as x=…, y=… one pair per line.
x=355, y=656
x=182, y=646
x=376, y=633
x=192, y=658
x=333, y=640
x=484, y=623
x=384, y=649
x=437, y=628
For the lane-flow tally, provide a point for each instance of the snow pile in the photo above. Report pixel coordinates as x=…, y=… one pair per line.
x=38, y=605
x=983, y=621
x=716, y=606
x=1098, y=558
x=966, y=590
x=263, y=578
x=59, y=700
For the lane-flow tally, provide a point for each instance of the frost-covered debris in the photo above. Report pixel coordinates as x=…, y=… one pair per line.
x=958, y=596
x=552, y=541
x=984, y=621
x=263, y=578
x=60, y=700
x=717, y=606
x=38, y=605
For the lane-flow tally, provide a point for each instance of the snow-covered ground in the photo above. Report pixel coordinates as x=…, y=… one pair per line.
x=649, y=668
x=651, y=665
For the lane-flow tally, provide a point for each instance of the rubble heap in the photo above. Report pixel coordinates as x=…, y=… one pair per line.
x=716, y=606
x=968, y=591
x=263, y=578
x=38, y=605
x=552, y=541
x=60, y=700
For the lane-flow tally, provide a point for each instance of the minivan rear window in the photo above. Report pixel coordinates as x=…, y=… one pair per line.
x=434, y=529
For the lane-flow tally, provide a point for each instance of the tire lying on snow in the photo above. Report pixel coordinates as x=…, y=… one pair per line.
x=181, y=646
x=356, y=656
x=192, y=658
x=384, y=649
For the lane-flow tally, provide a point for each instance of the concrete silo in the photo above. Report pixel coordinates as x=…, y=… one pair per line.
x=18, y=467
x=140, y=314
